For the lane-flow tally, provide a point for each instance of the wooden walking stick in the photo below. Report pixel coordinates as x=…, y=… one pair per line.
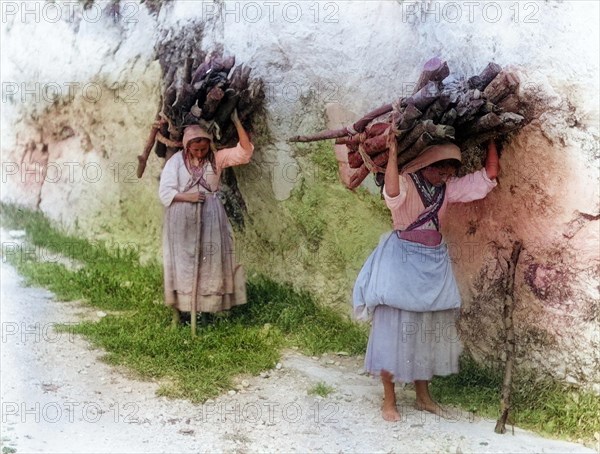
x=197, y=250
x=509, y=343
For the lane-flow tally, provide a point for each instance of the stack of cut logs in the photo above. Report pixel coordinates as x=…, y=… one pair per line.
x=466, y=112
x=202, y=91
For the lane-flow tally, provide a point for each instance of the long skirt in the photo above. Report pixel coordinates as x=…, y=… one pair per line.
x=413, y=345
x=410, y=293
x=199, y=257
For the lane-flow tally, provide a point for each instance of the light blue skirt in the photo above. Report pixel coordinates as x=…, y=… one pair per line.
x=409, y=292
x=413, y=345
x=405, y=275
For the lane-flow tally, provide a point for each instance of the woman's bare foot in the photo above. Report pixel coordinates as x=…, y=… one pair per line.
x=424, y=401
x=390, y=412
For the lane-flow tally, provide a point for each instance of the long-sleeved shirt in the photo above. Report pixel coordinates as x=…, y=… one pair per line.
x=175, y=175
x=407, y=205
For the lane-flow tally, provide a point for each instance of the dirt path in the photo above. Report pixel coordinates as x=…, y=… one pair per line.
x=57, y=396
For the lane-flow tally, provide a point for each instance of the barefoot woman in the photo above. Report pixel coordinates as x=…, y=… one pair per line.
x=407, y=285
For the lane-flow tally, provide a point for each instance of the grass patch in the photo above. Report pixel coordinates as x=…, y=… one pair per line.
x=539, y=404
x=321, y=389
x=246, y=340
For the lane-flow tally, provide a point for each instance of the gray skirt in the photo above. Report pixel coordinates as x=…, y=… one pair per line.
x=413, y=345
x=199, y=257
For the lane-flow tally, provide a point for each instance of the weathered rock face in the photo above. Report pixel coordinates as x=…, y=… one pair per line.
x=74, y=157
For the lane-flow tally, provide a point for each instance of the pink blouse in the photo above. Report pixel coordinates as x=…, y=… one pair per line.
x=407, y=205
x=175, y=175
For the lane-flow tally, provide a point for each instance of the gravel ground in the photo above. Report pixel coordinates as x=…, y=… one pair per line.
x=58, y=397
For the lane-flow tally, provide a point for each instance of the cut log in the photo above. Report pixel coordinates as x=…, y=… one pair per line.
x=408, y=118
x=449, y=117
x=505, y=83
x=376, y=144
x=161, y=149
x=487, y=75
x=377, y=129
x=380, y=160
x=214, y=97
x=416, y=148
x=438, y=108
x=355, y=160
x=143, y=158
x=510, y=103
x=359, y=126
x=168, y=142
x=425, y=96
x=434, y=70
x=485, y=123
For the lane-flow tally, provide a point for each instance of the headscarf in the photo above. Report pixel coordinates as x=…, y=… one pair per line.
x=430, y=155
x=195, y=132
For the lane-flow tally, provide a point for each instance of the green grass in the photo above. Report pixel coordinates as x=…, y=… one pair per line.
x=135, y=333
x=539, y=404
x=321, y=389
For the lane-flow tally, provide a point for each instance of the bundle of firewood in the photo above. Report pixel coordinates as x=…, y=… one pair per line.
x=203, y=91
x=467, y=112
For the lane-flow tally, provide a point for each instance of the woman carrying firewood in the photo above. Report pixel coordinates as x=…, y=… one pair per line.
x=201, y=274
x=407, y=285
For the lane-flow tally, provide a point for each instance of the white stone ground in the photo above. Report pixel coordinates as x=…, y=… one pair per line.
x=58, y=397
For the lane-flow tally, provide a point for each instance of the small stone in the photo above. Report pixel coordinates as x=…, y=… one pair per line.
x=343, y=354
x=278, y=366
x=186, y=431
x=316, y=358
x=239, y=387
x=330, y=361
x=337, y=363
x=571, y=379
x=245, y=383
x=264, y=375
x=597, y=435
x=231, y=392
x=101, y=314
